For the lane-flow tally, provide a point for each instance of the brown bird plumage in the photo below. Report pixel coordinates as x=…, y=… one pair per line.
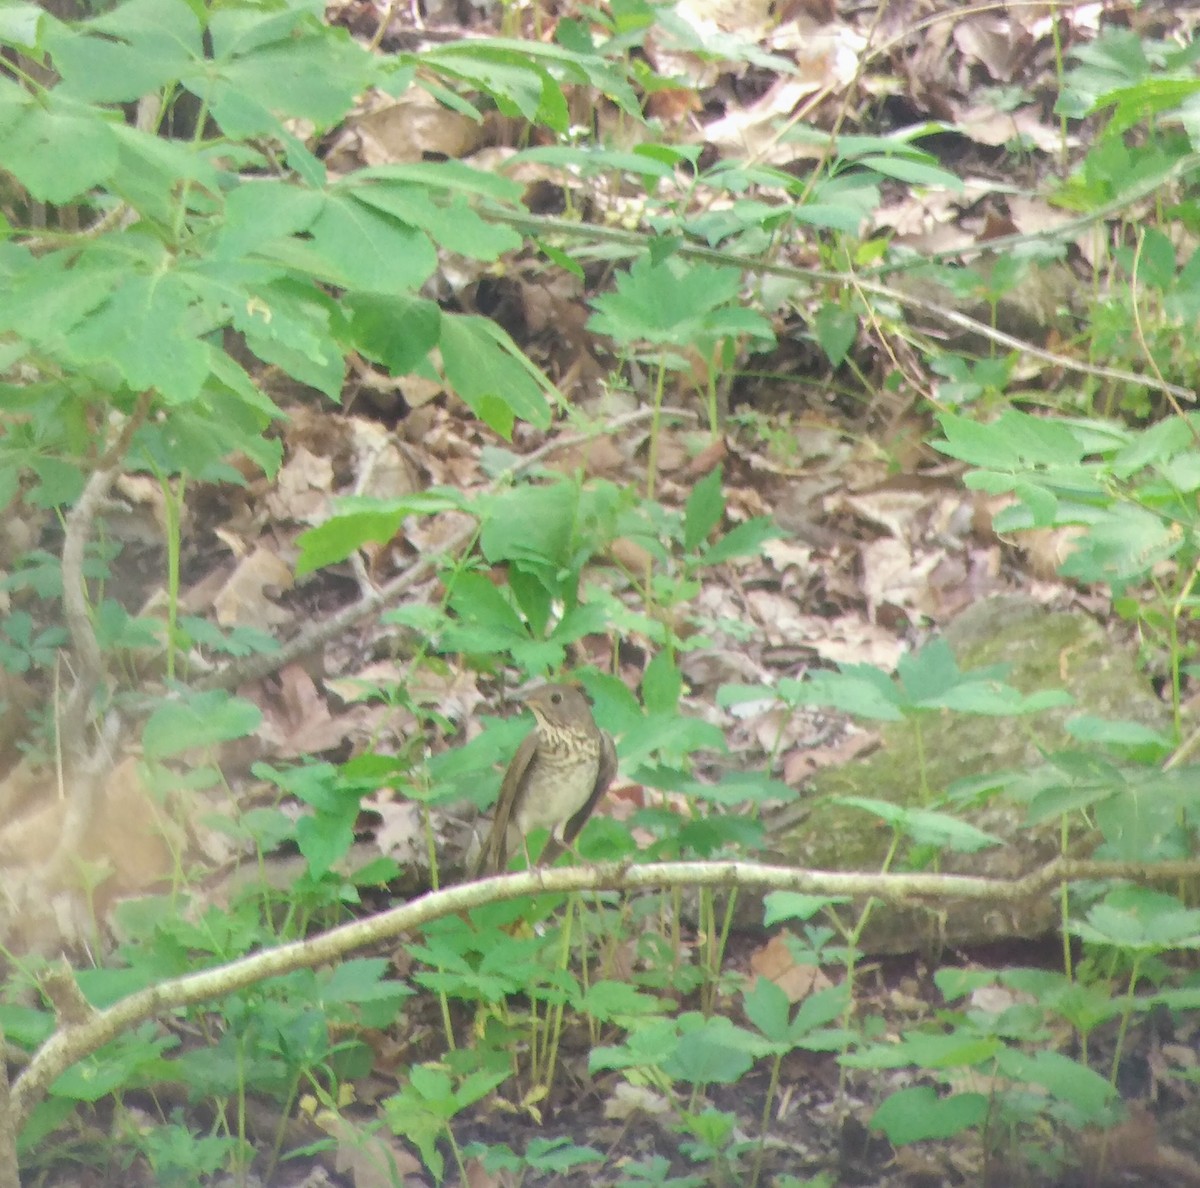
x=558, y=774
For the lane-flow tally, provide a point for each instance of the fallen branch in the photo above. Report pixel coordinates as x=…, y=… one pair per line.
x=77, y=1038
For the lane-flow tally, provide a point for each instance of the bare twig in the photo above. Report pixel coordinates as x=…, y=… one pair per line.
x=77, y=613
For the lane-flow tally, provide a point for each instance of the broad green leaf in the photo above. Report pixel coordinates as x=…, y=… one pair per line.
x=924, y=826
x=1014, y=441
x=288, y=325
x=835, y=329
x=262, y=210
x=672, y=302
x=929, y=1050
x=450, y=176
x=454, y=226
x=532, y=522
x=150, y=170
x=585, y=160
x=360, y=520
x=858, y=689
x=546, y=58
x=918, y=1114
x=479, y=603
x=1125, y=544
x=792, y=905
x=148, y=332
x=57, y=148
x=133, y=50
x=21, y=25
x=370, y=250
x=122, y=1064
x=397, y=330
x=662, y=685
x=271, y=65
x=1061, y=1077
x=199, y=720
x=712, y=1051
x=486, y=369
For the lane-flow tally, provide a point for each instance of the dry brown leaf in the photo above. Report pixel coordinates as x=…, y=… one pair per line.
x=403, y=129
x=893, y=576
x=298, y=722
x=775, y=962
x=52, y=897
x=372, y=1159
x=242, y=600
x=803, y=763
x=302, y=487
x=132, y=834
x=993, y=41
x=401, y=834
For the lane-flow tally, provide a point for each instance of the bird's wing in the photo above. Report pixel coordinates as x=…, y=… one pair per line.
x=493, y=856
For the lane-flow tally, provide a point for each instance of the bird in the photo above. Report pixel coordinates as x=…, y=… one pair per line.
x=560, y=771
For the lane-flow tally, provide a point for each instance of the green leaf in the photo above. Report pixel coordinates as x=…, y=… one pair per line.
x=454, y=225
x=920, y=172
x=486, y=368
x=397, y=330
x=148, y=331
x=119, y=1065
x=669, y=303
x=22, y=25
x=1015, y=441
x=1124, y=545
x=367, y=249
x=609, y=1002
x=1141, y=920
x=323, y=840
x=917, y=1114
x=859, y=689
x=924, y=826
x=662, y=685
x=704, y=510
x=746, y=540
x=448, y=176
x=266, y=65
x=57, y=149
x=133, y=50
x=531, y=523
x=358, y=520
x=792, y=905
x=479, y=603
x=712, y=1051
x=262, y=211
x=496, y=63
x=1063, y=1078
x=835, y=329
x=200, y=720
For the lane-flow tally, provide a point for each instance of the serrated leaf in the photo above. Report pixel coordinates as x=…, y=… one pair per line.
x=202, y=720
x=746, y=540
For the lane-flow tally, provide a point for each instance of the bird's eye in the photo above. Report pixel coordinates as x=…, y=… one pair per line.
x=555, y=698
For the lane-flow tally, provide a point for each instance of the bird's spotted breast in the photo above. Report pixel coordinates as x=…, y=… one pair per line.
x=559, y=784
